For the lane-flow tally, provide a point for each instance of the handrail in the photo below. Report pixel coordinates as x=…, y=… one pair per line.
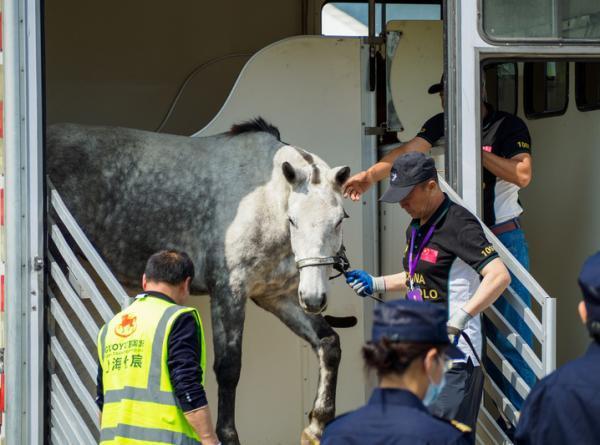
x=544, y=331
x=86, y=247
x=65, y=270
x=509, y=260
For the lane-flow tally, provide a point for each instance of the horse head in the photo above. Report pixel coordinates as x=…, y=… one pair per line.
x=315, y=214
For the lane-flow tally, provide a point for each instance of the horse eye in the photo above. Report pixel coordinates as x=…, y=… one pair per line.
x=292, y=222
x=337, y=226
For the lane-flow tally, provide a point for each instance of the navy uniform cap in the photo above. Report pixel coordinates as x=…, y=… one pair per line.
x=413, y=322
x=407, y=171
x=589, y=281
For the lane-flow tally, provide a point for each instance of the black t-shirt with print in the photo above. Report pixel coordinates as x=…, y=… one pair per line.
x=454, y=255
x=508, y=136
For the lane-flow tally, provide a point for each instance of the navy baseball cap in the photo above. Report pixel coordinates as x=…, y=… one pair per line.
x=408, y=170
x=437, y=87
x=589, y=281
x=413, y=322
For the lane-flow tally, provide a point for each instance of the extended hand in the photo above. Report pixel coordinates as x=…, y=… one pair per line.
x=357, y=185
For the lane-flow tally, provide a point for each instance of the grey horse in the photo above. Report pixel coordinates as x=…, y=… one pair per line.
x=249, y=209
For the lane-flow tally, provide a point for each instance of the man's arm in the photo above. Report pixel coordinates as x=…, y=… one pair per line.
x=516, y=170
x=201, y=421
x=495, y=280
x=473, y=248
x=361, y=182
x=396, y=282
x=183, y=361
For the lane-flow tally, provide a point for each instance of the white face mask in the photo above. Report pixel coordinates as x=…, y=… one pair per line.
x=434, y=389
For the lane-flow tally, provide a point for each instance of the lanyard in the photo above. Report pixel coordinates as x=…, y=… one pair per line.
x=412, y=263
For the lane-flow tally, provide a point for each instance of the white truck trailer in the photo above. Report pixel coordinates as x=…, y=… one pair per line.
x=204, y=65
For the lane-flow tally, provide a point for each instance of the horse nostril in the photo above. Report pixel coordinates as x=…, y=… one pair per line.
x=323, y=301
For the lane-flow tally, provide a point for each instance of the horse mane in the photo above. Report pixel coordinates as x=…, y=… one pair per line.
x=255, y=125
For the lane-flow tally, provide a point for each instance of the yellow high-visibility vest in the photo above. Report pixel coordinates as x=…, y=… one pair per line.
x=139, y=403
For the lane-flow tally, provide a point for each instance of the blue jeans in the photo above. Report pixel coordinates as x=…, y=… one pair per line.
x=516, y=243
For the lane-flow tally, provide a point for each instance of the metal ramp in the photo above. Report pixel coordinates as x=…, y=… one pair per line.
x=541, y=358
x=81, y=299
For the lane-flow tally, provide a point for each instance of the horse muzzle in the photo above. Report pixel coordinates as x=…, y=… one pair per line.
x=314, y=304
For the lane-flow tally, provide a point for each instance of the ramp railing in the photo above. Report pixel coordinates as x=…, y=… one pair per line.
x=541, y=358
x=82, y=294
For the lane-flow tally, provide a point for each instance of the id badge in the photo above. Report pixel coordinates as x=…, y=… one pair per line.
x=414, y=294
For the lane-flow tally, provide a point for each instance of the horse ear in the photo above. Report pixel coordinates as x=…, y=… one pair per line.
x=289, y=172
x=341, y=174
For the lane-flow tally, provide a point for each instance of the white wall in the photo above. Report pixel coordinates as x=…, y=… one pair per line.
x=562, y=210
x=417, y=64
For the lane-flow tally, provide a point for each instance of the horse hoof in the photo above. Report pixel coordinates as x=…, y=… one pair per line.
x=308, y=438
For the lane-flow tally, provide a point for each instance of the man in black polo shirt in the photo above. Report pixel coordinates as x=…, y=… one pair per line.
x=448, y=261
x=506, y=158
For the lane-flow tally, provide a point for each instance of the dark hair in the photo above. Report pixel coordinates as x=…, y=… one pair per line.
x=389, y=357
x=169, y=266
x=594, y=329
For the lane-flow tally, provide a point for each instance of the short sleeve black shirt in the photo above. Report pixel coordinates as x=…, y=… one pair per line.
x=433, y=129
x=504, y=135
x=457, y=236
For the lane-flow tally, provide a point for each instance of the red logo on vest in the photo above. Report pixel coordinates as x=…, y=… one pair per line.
x=429, y=255
x=127, y=326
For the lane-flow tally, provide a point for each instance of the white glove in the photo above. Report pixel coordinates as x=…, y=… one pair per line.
x=457, y=324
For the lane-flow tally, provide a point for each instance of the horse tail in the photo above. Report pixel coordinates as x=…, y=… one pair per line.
x=255, y=125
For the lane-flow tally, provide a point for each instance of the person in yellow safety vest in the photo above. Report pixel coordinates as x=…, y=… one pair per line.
x=152, y=359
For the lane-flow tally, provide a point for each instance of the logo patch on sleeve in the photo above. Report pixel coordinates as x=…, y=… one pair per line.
x=429, y=255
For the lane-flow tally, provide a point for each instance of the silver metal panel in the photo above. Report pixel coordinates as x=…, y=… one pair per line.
x=524, y=312
x=57, y=429
x=73, y=337
x=497, y=436
x=78, y=387
x=502, y=401
x=484, y=435
x=32, y=93
x=549, y=344
x=507, y=370
x=16, y=245
x=80, y=274
x=68, y=414
x=516, y=340
x=86, y=247
x=78, y=308
x=393, y=121
x=370, y=211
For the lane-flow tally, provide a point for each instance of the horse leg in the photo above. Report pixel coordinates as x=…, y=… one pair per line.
x=228, y=314
x=326, y=344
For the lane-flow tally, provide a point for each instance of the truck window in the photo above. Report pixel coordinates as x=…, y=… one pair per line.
x=548, y=20
x=352, y=18
x=587, y=85
x=501, y=86
x=545, y=89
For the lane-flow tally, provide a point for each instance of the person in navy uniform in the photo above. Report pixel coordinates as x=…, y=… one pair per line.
x=410, y=351
x=564, y=407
